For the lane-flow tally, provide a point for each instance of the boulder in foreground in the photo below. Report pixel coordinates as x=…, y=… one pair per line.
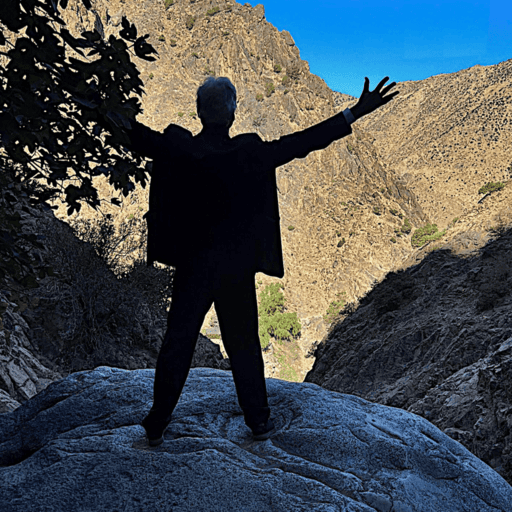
x=78, y=445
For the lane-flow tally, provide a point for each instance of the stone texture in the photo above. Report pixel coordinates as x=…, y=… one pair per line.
x=435, y=339
x=78, y=446
x=22, y=375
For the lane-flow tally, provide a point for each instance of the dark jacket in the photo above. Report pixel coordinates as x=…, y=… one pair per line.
x=222, y=200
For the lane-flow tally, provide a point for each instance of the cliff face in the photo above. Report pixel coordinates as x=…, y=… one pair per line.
x=327, y=199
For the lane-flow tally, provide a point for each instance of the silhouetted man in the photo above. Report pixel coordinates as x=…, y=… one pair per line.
x=214, y=215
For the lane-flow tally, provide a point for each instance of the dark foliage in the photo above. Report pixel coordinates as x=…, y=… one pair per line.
x=63, y=119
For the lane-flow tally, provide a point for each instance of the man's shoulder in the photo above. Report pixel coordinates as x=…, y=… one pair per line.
x=247, y=138
x=176, y=131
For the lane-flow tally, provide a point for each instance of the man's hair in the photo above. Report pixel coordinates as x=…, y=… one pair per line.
x=216, y=97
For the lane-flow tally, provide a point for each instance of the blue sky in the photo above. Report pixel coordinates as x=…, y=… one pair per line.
x=346, y=40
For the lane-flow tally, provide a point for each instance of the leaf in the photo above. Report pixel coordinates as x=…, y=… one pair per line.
x=129, y=31
x=92, y=35
x=143, y=49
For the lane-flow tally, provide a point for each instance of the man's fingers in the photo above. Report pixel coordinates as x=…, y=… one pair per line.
x=387, y=88
x=366, y=87
x=381, y=83
x=390, y=97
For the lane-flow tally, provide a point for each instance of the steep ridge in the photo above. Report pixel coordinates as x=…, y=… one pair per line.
x=329, y=245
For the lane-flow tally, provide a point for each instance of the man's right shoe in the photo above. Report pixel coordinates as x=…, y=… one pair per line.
x=263, y=430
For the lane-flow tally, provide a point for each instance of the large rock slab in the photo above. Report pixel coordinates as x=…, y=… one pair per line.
x=78, y=445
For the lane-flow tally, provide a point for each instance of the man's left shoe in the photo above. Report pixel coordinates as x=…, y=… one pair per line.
x=154, y=434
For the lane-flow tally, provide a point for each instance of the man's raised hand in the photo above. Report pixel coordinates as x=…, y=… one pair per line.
x=370, y=101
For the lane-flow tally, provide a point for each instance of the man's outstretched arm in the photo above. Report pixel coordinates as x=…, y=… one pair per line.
x=144, y=140
x=319, y=136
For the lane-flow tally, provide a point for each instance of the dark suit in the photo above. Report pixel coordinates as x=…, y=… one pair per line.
x=214, y=215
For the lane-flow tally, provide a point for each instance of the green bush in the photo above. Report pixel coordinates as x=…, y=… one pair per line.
x=377, y=210
x=151, y=76
x=195, y=54
x=341, y=242
x=277, y=68
x=190, y=22
x=269, y=89
x=491, y=187
x=350, y=148
x=406, y=227
x=393, y=211
x=334, y=308
x=426, y=234
x=259, y=96
x=168, y=3
x=273, y=321
x=161, y=37
x=285, y=80
x=291, y=228
x=173, y=42
x=181, y=114
x=212, y=11
x=393, y=240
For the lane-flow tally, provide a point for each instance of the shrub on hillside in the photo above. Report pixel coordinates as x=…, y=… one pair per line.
x=427, y=233
x=269, y=89
x=273, y=321
x=491, y=187
x=212, y=11
x=190, y=22
x=93, y=307
x=334, y=308
x=406, y=227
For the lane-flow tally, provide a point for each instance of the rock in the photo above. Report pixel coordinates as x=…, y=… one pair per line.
x=79, y=446
x=435, y=339
x=7, y=404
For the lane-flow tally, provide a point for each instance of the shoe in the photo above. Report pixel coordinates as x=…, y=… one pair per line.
x=155, y=435
x=263, y=430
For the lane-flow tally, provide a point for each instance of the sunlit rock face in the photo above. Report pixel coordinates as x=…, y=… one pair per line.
x=78, y=445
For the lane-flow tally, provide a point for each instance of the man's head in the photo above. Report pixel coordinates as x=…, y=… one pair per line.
x=216, y=101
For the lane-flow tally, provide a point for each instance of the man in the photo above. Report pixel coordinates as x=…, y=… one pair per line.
x=214, y=215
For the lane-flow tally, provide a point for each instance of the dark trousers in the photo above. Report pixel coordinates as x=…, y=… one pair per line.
x=196, y=286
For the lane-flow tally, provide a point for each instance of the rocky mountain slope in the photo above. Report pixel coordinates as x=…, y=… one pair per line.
x=448, y=135
x=79, y=446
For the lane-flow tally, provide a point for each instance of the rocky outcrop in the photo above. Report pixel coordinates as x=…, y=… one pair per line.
x=22, y=374
x=435, y=339
x=79, y=446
